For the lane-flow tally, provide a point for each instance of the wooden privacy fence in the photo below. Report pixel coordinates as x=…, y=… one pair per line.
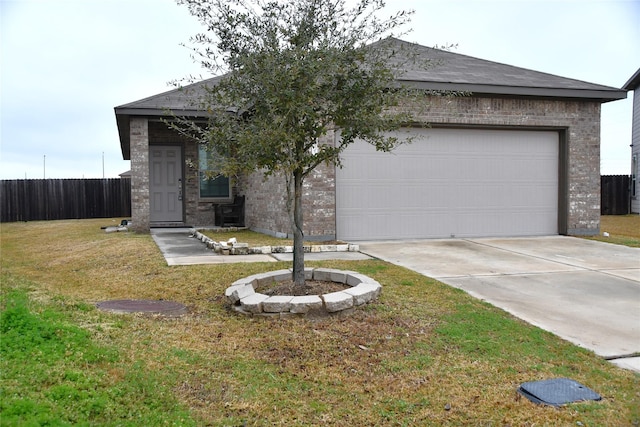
x=614, y=194
x=50, y=199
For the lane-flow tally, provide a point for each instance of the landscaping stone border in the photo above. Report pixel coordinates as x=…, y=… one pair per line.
x=244, y=299
x=236, y=248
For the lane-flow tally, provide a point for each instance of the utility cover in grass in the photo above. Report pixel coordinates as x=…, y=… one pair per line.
x=556, y=392
x=167, y=308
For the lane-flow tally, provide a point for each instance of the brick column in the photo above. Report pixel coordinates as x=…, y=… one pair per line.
x=139, y=137
x=584, y=171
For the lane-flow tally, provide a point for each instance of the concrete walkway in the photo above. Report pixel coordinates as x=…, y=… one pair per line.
x=584, y=291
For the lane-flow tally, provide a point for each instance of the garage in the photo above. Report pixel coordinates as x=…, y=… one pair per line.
x=450, y=183
x=517, y=155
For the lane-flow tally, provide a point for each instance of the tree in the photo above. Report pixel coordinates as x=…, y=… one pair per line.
x=290, y=71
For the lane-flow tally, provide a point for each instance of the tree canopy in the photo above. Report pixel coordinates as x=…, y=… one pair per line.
x=290, y=72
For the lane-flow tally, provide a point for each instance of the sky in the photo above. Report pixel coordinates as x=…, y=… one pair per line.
x=65, y=64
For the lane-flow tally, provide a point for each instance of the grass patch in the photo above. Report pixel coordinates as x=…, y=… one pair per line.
x=53, y=373
x=423, y=354
x=622, y=229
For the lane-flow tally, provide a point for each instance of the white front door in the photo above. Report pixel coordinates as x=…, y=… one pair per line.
x=165, y=183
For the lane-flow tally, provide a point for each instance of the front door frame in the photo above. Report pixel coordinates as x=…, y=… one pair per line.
x=178, y=181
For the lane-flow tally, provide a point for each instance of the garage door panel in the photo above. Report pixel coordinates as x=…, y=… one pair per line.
x=467, y=183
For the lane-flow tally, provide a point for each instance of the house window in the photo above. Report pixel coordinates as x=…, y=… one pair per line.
x=634, y=176
x=212, y=184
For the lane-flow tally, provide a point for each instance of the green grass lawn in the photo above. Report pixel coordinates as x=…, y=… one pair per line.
x=423, y=354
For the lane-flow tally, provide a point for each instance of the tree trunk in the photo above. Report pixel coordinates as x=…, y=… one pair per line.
x=298, y=235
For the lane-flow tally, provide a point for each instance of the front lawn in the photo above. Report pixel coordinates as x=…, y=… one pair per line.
x=423, y=354
x=622, y=230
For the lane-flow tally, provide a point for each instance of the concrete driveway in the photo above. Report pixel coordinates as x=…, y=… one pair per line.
x=583, y=291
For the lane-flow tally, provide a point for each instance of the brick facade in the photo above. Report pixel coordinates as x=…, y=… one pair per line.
x=144, y=133
x=196, y=212
x=266, y=202
x=578, y=123
x=139, y=134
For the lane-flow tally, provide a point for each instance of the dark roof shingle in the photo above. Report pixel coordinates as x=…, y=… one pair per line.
x=454, y=71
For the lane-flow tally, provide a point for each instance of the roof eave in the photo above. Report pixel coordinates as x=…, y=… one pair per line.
x=124, y=114
x=122, y=121
x=584, y=94
x=159, y=112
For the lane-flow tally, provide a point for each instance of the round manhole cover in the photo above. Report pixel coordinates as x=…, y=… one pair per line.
x=169, y=308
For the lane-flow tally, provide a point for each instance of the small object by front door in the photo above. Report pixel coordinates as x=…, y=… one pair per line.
x=231, y=214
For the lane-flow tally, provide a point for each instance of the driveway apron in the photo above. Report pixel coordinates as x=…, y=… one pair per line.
x=584, y=291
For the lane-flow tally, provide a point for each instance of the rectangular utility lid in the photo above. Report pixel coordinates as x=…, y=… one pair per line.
x=556, y=392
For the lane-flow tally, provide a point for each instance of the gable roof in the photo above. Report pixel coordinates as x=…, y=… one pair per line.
x=633, y=82
x=434, y=69
x=454, y=71
x=177, y=100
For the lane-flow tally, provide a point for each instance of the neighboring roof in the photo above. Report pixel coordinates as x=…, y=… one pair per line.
x=446, y=71
x=633, y=82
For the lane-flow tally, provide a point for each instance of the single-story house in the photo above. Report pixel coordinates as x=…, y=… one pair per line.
x=633, y=84
x=519, y=156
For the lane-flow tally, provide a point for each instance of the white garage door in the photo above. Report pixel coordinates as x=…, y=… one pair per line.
x=450, y=183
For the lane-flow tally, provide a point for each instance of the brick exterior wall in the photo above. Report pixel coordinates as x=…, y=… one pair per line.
x=197, y=212
x=266, y=202
x=139, y=137
x=144, y=133
x=577, y=121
